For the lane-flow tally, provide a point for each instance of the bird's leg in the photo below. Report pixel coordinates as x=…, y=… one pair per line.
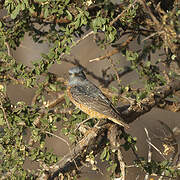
x=100, y=122
x=82, y=123
x=96, y=125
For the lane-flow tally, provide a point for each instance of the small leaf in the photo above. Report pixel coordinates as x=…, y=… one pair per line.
x=46, y=13
x=16, y=11
x=2, y=122
x=77, y=23
x=22, y=6
x=69, y=16
x=67, y=99
x=53, y=87
x=108, y=156
x=103, y=154
x=64, y=131
x=26, y=3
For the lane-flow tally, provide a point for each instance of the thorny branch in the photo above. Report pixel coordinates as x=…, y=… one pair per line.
x=165, y=30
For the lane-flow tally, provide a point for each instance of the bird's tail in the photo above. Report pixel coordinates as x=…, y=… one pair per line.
x=119, y=122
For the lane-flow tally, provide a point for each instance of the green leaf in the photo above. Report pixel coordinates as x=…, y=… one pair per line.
x=111, y=36
x=77, y=23
x=26, y=3
x=67, y=100
x=2, y=122
x=53, y=87
x=42, y=1
x=103, y=154
x=64, y=131
x=108, y=156
x=69, y=16
x=67, y=2
x=16, y=11
x=46, y=12
x=72, y=137
x=23, y=6
x=31, y=10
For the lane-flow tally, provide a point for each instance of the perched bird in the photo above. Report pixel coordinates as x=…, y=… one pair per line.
x=89, y=98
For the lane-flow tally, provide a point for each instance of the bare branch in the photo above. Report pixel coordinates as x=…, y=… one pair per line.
x=156, y=149
x=51, y=104
x=169, y=106
x=115, y=69
x=149, y=152
x=114, y=51
x=151, y=101
x=62, y=139
x=122, y=164
x=8, y=48
x=78, y=41
x=94, y=141
x=122, y=13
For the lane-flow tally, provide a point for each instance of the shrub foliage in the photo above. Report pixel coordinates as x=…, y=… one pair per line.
x=153, y=24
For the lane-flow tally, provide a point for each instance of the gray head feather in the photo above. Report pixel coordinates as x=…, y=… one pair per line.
x=76, y=70
x=76, y=76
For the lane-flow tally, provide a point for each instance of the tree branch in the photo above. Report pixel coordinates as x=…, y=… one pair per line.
x=151, y=101
x=94, y=141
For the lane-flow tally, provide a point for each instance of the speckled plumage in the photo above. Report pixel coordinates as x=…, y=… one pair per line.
x=87, y=97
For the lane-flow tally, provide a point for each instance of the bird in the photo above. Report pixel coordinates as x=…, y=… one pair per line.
x=89, y=98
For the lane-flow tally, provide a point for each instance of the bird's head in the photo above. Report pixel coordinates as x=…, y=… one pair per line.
x=76, y=75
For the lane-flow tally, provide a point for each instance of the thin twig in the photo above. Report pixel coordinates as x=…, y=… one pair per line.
x=78, y=125
x=115, y=69
x=59, y=138
x=4, y=114
x=122, y=13
x=66, y=142
x=114, y=51
x=34, y=99
x=151, y=35
x=8, y=48
x=78, y=41
x=144, y=3
x=56, y=101
x=149, y=152
x=156, y=149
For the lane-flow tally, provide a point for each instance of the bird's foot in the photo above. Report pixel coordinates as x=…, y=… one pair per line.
x=81, y=123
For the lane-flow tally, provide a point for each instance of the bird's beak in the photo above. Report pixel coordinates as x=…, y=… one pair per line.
x=71, y=74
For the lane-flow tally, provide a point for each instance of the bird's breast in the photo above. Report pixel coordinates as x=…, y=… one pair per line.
x=86, y=109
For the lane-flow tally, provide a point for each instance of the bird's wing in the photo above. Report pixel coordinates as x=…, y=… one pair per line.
x=91, y=96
